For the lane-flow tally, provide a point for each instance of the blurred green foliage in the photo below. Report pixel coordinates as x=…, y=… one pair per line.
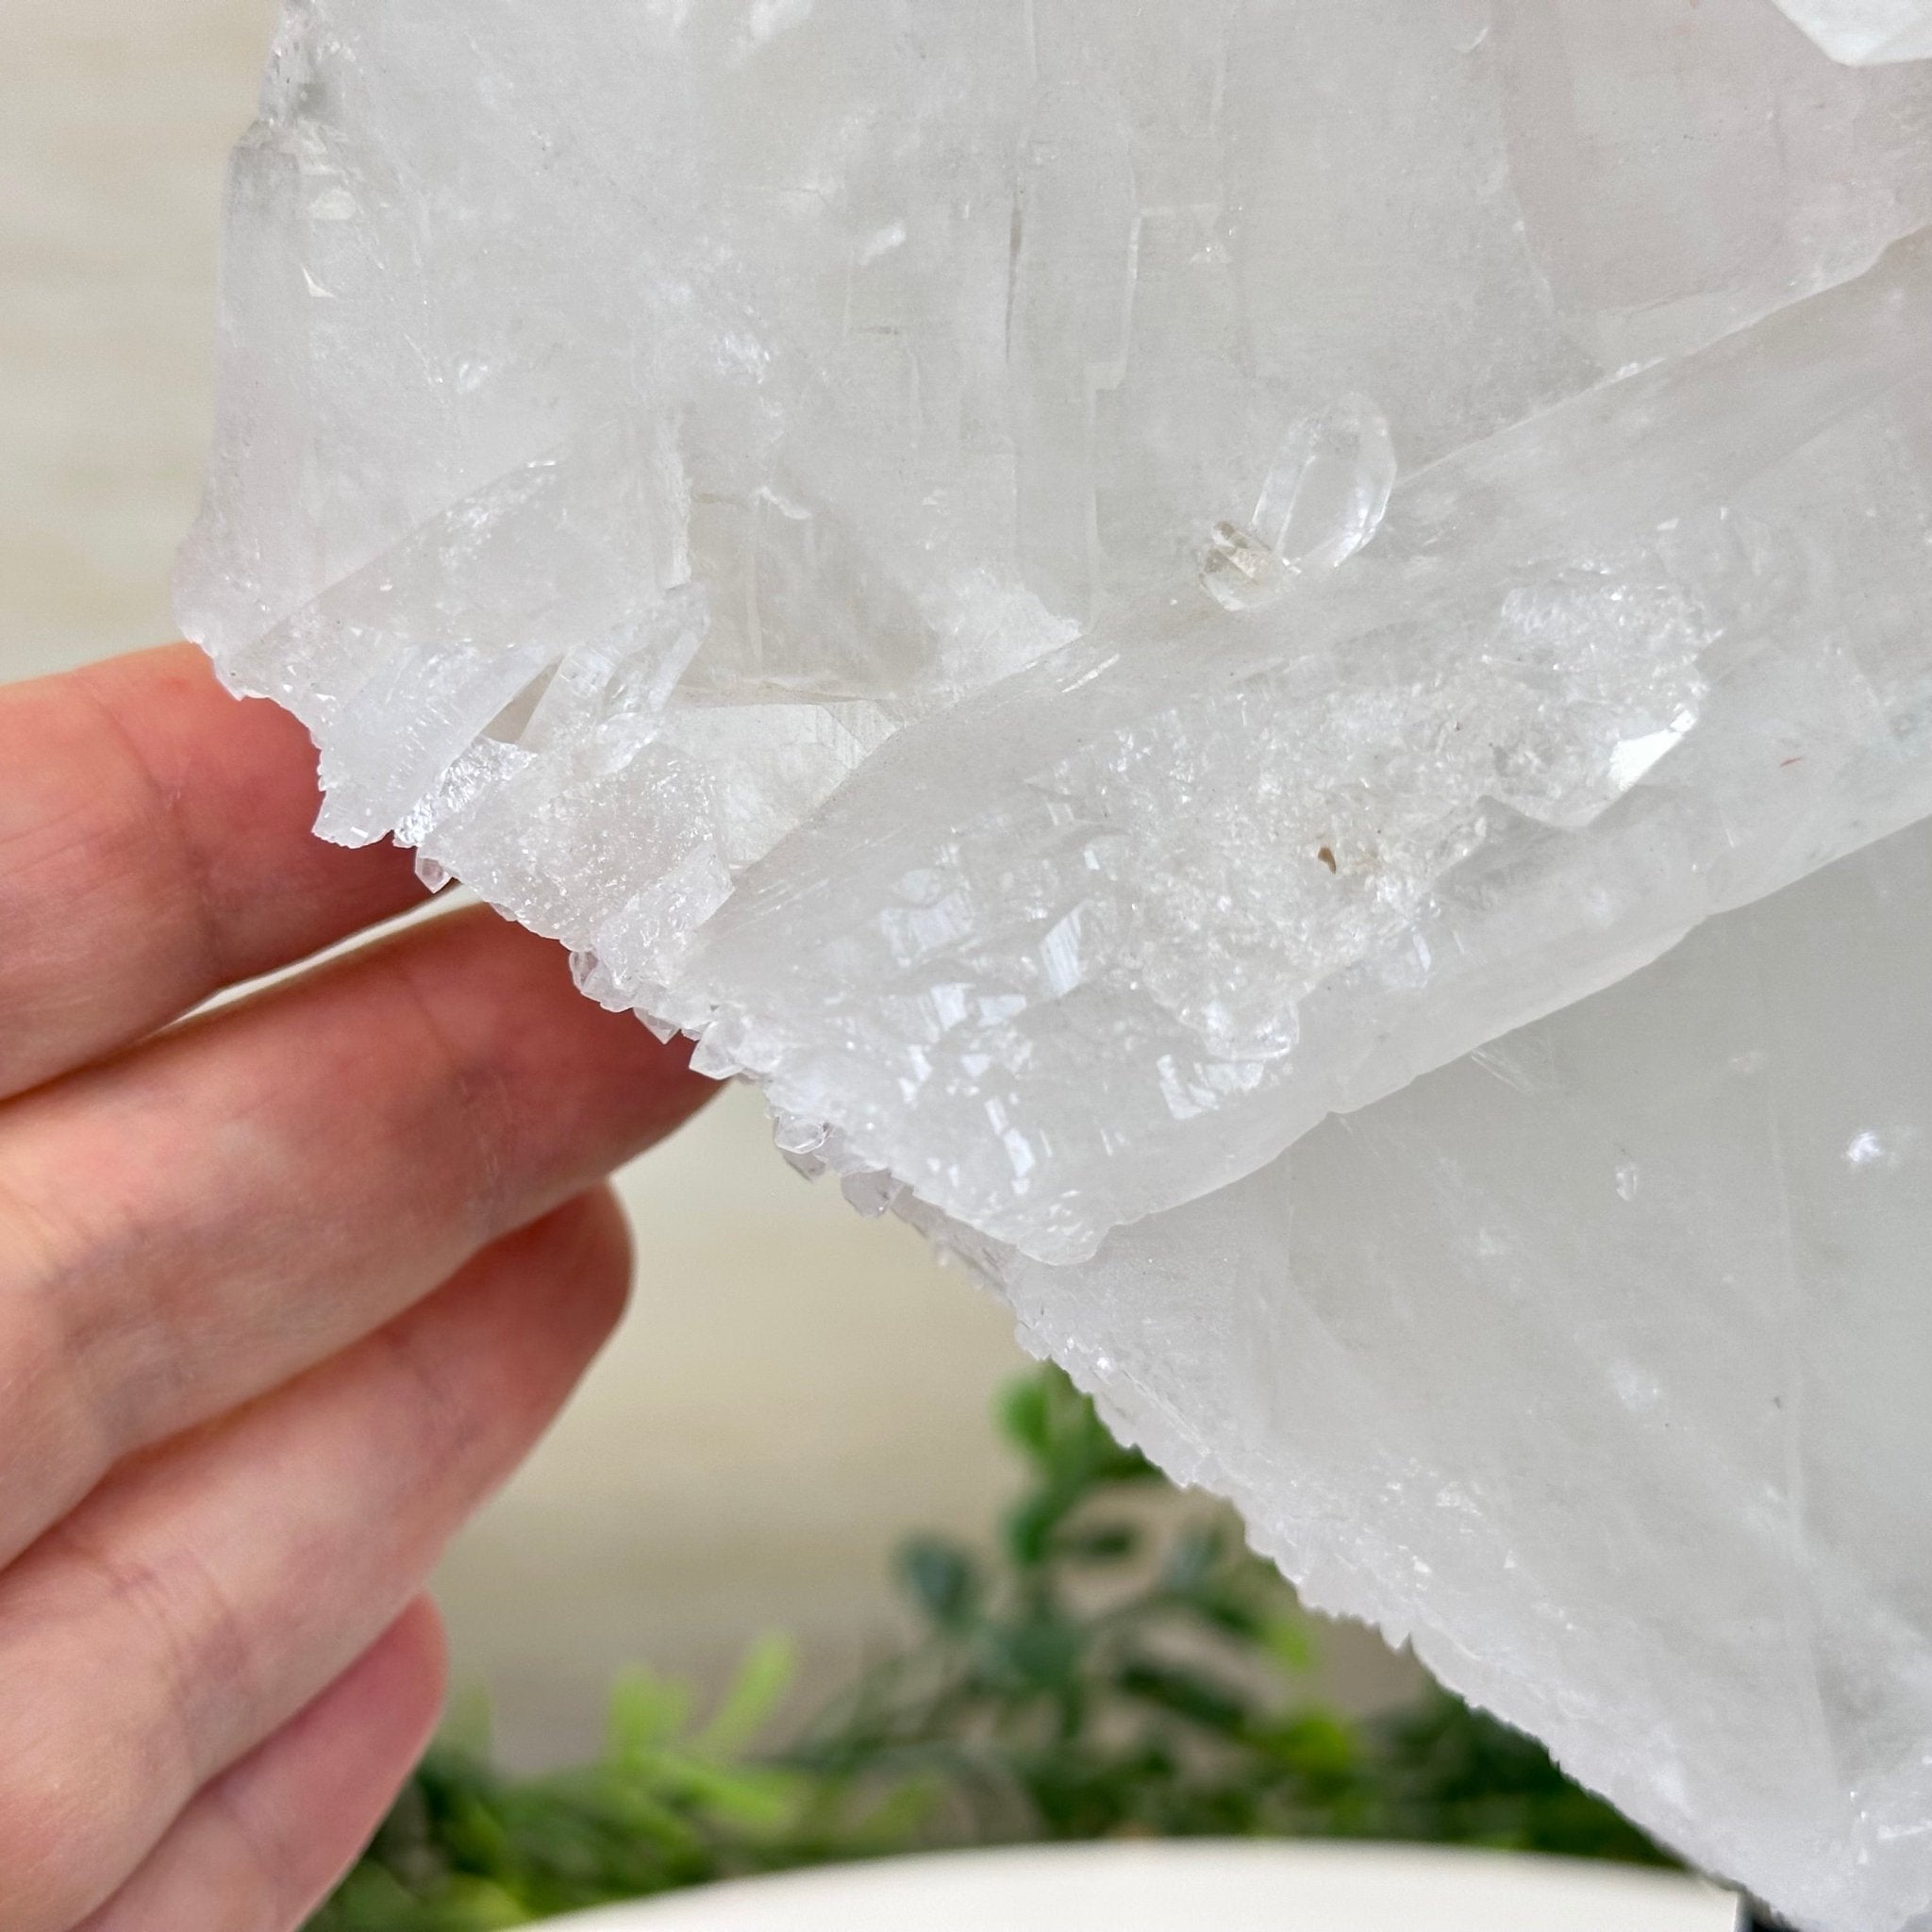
x=1119, y=1665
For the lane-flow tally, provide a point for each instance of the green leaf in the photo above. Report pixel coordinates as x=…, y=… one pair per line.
x=477, y=1906
x=1287, y=1640
x=760, y=1799
x=1038, y=1654
x=755, y=1692
x=1024, y=1415
x=1190, y=1693
x=647, y=1712
x=1316, y=1743
x=943, y=1580
x=1030, y=1525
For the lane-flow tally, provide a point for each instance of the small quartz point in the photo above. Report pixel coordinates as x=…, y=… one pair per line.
x=1270, y=661
x=1326, y=496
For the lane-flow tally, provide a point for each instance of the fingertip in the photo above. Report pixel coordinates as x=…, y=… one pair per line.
x=410, y=1662
x=390, y=1700
x=588, y=1253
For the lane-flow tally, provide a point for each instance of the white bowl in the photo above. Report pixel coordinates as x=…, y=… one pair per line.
x=1211, y=1887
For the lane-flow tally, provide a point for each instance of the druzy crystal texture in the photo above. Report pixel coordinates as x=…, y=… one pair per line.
x=1268, y=660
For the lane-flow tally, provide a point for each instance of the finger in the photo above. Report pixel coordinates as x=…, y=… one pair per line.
x=259, y=1849
x=155, y=846
x=202, y=1597
x=196, y=1221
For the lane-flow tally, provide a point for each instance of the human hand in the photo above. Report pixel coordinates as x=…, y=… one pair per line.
x=285, y=1291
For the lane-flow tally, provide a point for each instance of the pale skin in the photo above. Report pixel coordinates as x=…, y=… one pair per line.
x=286, y=1290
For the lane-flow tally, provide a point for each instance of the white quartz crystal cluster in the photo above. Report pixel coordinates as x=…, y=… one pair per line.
x=1161, y=615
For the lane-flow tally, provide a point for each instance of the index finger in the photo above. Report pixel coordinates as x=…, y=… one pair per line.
x=154, y=847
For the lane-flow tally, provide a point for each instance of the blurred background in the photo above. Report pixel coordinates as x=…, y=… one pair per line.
x=795, y=1388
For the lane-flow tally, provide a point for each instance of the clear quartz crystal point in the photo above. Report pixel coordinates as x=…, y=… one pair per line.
x=1326, y=496
x=1271, y=663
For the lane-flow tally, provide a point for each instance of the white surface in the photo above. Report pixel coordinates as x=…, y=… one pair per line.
x=1194, y=1887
